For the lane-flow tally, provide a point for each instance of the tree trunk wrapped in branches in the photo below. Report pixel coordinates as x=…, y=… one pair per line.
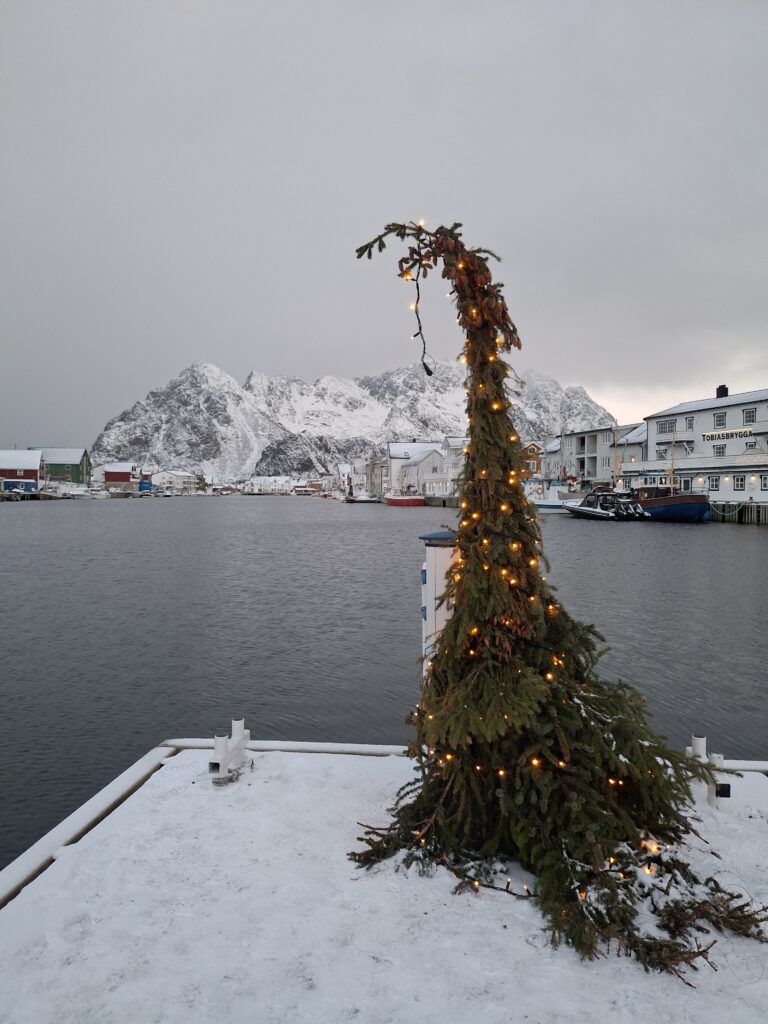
x=522, y=752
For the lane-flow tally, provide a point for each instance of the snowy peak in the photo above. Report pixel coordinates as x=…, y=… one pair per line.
x=204, y=420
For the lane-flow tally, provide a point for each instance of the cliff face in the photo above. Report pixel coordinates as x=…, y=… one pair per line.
x=204, y=420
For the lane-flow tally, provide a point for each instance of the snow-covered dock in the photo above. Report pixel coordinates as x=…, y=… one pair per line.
x=190, y=902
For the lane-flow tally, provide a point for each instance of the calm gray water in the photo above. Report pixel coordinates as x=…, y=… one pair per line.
x=128, y=622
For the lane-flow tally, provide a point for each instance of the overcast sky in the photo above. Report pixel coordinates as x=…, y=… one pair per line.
x=186, y=180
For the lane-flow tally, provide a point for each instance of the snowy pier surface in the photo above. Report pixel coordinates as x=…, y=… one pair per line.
x=191, y=902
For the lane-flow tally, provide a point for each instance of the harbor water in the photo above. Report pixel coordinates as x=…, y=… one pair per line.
x=127, y=622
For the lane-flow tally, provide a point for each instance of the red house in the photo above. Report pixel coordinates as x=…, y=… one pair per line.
x=122, y=476
x=21, y=470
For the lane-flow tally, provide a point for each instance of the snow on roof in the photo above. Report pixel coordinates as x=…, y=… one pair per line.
x=714, y=403
x=20, y=458
x=457, y=442
x=120, y=467
x=412, y=450
x=553, y=446
x=637, y=435
x=163, y=890
x=63, y=456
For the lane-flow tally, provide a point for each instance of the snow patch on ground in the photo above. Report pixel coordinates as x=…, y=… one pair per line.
x=191, y=903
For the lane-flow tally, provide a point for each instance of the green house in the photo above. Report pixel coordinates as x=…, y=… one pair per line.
x=71, y=465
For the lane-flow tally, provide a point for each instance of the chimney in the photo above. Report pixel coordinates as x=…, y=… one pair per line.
x=722, y=391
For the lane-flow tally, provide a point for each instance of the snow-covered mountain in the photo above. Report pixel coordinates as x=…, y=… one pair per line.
x=205, y=421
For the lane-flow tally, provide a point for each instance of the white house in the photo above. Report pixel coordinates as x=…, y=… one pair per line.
x=400, y=455
x=178, y=480
x=591, y=455
x=718, y=445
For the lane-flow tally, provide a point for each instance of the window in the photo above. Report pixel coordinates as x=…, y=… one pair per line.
x=19, y=472
x=750, y=416
x=685, y=484
x=718, y=450
x=532, y=466
x=662, y=481
x=689, y=422
x=739, y=481
x=661, y=453
x=605, y=461
x=714, y=483
x=688, y=447
x=764, y=482
x=67, y=468
x=719, y=419
x=666, y=426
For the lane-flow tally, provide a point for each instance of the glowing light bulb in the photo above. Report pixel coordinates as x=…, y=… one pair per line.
x=474, y=631
x=561, y=764
x=422, y=222
x=549, y=677
x=535, y=761
x=501, y=773
x=495, y=406
x=486, y=567
x=485, y=541
x=465, y=504
x=475, y=515
x=412, y=306
x=504, y=508
x=460, y=266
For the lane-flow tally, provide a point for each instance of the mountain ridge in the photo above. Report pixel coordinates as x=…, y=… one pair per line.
x=204, y=420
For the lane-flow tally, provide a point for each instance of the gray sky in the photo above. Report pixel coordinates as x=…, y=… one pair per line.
x=186, y=180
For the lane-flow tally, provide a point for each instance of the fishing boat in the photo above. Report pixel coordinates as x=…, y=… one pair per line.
x=404, y=500
x=617, y=506
x=546, y=495
x=665, y=506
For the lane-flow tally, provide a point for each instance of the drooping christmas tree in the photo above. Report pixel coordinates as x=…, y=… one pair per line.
x=522, y=752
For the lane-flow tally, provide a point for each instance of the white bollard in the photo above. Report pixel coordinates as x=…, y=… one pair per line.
x=229, y=753
x=698, y=750
x=699, y=747
x=440, y=552
x=220, y=753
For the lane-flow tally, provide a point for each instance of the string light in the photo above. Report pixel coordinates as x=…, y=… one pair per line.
x=535, y=762
x=504, y=508
x=495, y=406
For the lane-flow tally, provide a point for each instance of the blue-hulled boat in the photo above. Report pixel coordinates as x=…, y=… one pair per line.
x=665, y=507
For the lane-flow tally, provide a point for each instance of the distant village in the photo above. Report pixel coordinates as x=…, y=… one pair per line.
x=717, y=446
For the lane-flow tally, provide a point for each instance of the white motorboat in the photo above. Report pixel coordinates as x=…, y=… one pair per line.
x=614, y=505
